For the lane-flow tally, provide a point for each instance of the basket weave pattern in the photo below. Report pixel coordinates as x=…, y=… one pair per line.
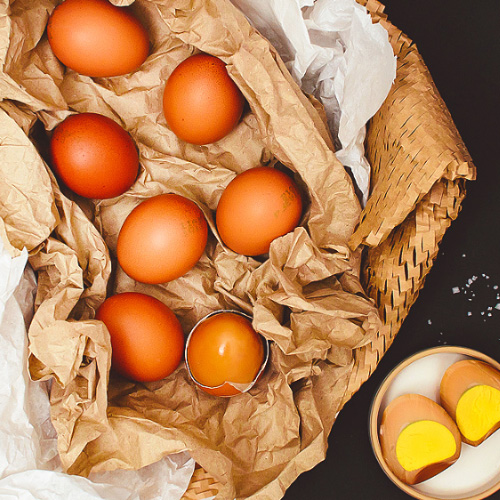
x=419, y=168
x=202, y=485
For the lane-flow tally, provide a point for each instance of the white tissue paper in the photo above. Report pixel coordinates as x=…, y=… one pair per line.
x=334, y=52
x=29, y=464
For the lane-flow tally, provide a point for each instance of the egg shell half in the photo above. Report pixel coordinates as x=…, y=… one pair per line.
x=403, y=411
x=459, y=378
x=225, y=356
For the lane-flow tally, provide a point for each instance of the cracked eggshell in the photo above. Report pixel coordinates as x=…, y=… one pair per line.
x=224, y=355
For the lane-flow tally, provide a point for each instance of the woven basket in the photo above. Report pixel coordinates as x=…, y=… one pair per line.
x=419, y=168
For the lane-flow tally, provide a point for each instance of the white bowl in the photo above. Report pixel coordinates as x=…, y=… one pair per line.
x=476, y=474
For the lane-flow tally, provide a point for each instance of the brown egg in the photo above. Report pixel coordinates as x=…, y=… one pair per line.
x=256, y=207
x=470, y=392
x=146, y=337
x=418, y=438
x=162, y=239
x=95, y=38
x=94, y=156
x=200, y=102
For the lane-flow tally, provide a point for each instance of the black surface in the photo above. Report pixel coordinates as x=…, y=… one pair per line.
x=459, y=41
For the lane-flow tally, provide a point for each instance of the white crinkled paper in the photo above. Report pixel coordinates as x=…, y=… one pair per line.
x=334, y=52
x=29, y=463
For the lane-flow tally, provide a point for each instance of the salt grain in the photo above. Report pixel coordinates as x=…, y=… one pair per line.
x=467, y=287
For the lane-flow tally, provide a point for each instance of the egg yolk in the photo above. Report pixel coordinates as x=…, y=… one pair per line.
x=225, y=354
x=423, y=443
x=478, y=411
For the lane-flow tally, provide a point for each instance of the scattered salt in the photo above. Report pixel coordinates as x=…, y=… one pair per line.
x=467, y=287
x=463, y=255
x=429, y=322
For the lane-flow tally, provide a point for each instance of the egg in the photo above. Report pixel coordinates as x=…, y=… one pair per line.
x=200, y=101
x=95, y=38
x=94, y=156
x=162, y=239
x=418, y=438
x=256, y=207
x=147, y=340
x=224, y=354
x=470, y=392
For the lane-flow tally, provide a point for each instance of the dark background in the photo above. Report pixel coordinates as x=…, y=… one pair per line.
x=459, y=41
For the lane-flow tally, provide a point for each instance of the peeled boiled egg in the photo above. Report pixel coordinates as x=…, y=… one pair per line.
x=224, y=354
x=200, y=102
x=96, y=38
x=94, y=156
x=256, y=207
x=470, y=392
x=162, y=239
x=147, y=340
x=418, y=438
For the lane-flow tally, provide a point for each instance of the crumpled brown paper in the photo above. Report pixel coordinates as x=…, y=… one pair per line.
x=305, y=297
